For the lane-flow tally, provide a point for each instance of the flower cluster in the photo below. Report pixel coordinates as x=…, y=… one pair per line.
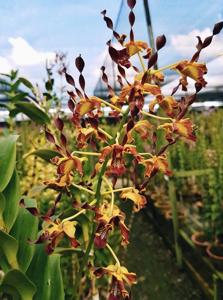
x=110, y=152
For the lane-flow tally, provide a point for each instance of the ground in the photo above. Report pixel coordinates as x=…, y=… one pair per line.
x=155, y=266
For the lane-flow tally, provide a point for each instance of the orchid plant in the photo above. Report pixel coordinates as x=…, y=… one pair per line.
x=109, y=151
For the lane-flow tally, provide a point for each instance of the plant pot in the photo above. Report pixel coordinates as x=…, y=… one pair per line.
x=200, y=241
x=215, y=253
x=181, y=215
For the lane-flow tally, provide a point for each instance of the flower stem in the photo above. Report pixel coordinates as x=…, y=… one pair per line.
x=114, y=255
x=112, y=194
x=98, y=197
x=117, y=190
x=117, y=138
x=105, y=133
x=141, y=62
x=146, y=153
x=155, y=117
x=83, y=189
x=86, y=153
x=111, y=105
x=78, y=213
x=165, y=68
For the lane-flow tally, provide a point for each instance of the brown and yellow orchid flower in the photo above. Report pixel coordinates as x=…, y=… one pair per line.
x=117, y=164
x=168, y=104
x=143, y=128
x=68, y=164
x=153, y=76
x=120, y=277
x=134, y=47
x=134, y=195
x=85, y=106
x=183, y=128
x=107, y=217
x=60, y=183
x=156, y=76
x=155, y=164
x=65, y=167
x=139, y=90
x=152, y=89
x=120, y=57
x=54, y=231
x=194, y=70
x=86, y=134
x=115, y=100
x=134, y=94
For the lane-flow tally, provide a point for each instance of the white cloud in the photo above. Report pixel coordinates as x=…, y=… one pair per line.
x=184, y=44
x=5, y=66
x=23, y=54
x=215, y=67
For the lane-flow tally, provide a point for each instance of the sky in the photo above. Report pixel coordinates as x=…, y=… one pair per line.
x=32, y=30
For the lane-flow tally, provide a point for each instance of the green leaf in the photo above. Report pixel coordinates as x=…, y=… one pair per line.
x=26, y=82
x=7, y=159
x=33, y=112
x=13, y=112
x=66, y=251
x=25, y=229
x=2, y=207
x=45, y=154
x=14, y=74
x=15, y=85
x=8, y=250
x=47, y=276
x=4, y=82
x=19, y=97
x=56, y=281
x=19, y=282
x=12, y=196
x=9, y=291
x=3, y=105
x=49, y=84
x=84, y=221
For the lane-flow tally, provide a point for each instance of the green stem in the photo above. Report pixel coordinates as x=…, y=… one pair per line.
x=112, y=194
x=97, y=197
x=117, y=190
x=165, y=68
x=113, y=254
x=156, y=117
x=105, y=133
x=78, y=213
x=141, y=62
x=83, y=188
x=111, y=105
x=86, y=153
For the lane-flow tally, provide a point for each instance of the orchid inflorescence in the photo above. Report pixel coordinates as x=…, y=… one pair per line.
x=111, y=151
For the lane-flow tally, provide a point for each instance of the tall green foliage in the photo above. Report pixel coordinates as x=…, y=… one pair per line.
x=17, y=227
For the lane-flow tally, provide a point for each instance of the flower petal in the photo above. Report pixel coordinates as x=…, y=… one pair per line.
x=68, y=228
x=139, y=200
x=134, y=47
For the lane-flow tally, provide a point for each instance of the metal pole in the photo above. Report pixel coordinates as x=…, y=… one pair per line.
x=149, y=27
